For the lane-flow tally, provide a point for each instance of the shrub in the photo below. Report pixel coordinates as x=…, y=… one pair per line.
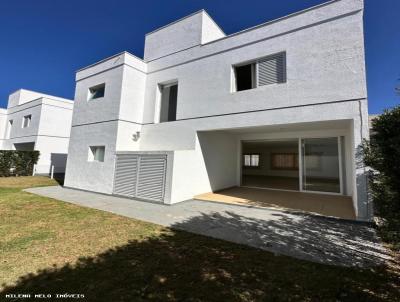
x=14, y=162
x=382, y=153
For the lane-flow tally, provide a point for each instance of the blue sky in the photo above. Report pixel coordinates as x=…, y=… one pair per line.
x=44, y=42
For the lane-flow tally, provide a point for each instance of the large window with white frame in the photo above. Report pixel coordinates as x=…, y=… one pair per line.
x=264, y=71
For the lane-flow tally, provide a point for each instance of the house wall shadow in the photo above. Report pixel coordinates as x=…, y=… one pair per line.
x=180, y=266
x=59, y=161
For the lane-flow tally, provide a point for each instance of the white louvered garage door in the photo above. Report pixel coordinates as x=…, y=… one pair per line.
x=126, y=175
x=141, y=176
x=151, y=177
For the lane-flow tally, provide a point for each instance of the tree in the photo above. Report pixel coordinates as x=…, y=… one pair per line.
x=382, y=154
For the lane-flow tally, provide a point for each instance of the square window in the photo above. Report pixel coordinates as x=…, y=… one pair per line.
x=26, y=121
x=96, y=153
x=251, y=160
x=96, y=92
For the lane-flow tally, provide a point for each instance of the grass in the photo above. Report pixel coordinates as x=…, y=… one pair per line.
x=48, y=246
x=22, y=182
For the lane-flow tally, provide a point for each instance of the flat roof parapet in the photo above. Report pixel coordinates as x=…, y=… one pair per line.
x=122, y=58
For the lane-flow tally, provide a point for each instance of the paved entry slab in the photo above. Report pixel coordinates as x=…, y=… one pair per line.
x=300, y=235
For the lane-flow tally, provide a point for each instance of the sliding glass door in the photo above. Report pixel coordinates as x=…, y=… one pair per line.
x=320, y=161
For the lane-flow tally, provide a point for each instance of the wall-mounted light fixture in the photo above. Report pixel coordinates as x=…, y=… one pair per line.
x=136, y=136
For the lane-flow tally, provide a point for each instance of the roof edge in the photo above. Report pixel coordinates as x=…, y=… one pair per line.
x=275, y=20
x=109, y=58
x=176, y=21
x=43, y=95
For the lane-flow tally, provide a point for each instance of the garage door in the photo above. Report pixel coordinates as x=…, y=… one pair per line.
x=141, y=176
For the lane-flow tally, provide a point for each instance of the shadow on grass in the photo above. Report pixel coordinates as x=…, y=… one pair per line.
x=180, y=266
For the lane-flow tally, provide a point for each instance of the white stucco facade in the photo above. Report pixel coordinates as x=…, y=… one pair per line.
x=47, y=131
x=324, y=95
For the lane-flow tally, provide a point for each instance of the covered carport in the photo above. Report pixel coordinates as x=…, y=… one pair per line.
x=302, y=167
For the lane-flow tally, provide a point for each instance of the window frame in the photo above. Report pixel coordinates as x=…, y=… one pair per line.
x=93, y=153
x=91, y=93
x=159, y=100
x=28, y=118
x=295, y=160
x=254, y=74
x=251, y=155
x=9, y=128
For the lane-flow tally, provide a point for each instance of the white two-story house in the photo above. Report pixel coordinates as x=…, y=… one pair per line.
x=37, y=121
x=279, y=106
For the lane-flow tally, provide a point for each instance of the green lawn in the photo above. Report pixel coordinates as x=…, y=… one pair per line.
x=48, y=246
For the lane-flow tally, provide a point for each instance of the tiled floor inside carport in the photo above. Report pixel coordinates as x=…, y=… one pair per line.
x=324, y=204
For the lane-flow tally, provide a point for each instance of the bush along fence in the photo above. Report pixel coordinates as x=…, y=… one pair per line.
x=18, y=163
x=382, y=154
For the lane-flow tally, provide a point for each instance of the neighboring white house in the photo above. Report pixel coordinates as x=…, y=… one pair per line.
x=37, y=121
x=281, y=105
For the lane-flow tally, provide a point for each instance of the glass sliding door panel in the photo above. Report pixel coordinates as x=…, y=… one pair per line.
x=320, y=165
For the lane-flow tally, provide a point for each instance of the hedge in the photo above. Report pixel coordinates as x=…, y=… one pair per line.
x=382, y=154
x=17, y=163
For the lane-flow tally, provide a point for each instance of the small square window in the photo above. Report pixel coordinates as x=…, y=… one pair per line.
x=96, y=92
x=96, y=153
x=26, y=121
x=251, y=160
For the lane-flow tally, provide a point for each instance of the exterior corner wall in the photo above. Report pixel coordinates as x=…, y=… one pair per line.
x=55, y=119
x=3, y=126
x=53, y=152
x=189, y=176
x=210, y=30
x=131, y=109
x=360, y=131
x=132, y=95
x=102, y=109
x=17, y=114
x=91, y=175
x=179, y=35
x=125, y=136
x=22, y=96
x=211, y=166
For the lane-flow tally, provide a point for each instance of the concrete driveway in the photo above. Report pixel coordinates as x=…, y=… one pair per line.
x=309, y=237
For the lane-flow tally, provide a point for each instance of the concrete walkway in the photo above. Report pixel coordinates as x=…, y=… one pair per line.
x=299, y=235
